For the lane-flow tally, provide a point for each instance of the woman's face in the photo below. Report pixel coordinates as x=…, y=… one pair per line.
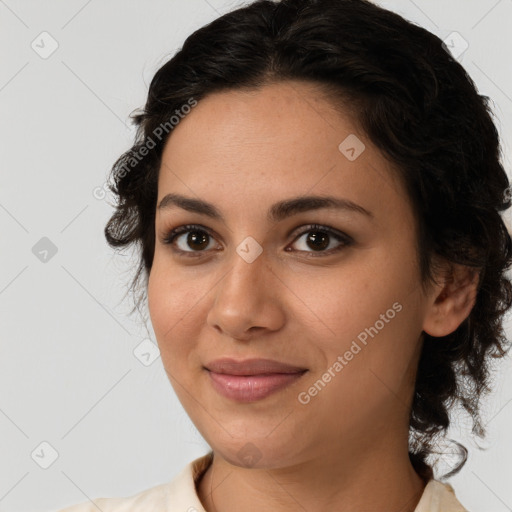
x=341, y=301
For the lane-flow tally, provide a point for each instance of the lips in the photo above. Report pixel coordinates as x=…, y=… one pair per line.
x=251, y=367
x=252, y=379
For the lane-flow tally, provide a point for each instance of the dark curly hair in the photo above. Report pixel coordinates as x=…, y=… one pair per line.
x=417, y=104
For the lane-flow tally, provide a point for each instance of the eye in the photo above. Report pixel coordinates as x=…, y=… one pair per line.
x=320, y=238
x=197, y=238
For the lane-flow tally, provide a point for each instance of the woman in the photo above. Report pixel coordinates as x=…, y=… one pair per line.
x=316, y=190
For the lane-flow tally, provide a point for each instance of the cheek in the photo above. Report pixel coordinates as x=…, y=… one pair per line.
x=369, y=315
x=174, y=303
x=341, y=304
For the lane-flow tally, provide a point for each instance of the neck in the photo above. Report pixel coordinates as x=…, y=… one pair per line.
x=343, y=480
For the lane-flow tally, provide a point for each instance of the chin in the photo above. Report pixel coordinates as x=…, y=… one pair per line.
x=260, y=453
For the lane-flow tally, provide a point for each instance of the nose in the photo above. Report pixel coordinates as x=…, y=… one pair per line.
x=246, y=300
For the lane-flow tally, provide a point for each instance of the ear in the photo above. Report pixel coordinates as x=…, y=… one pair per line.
x=450, y=302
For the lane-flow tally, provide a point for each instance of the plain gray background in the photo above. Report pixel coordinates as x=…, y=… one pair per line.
x=70, y=377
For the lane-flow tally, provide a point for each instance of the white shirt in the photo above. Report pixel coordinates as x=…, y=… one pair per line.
x=180, y=495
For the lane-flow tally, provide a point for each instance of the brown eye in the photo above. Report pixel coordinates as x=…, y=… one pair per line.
x=319, y=238
x=196, y=240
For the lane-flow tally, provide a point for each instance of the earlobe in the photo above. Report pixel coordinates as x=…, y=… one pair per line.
x=451, y=302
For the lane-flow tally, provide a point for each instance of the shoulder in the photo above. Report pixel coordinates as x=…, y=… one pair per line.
x=177, y=495
x=439, y=497
x=150, y=499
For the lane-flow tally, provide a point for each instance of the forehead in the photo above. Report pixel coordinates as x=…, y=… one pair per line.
x=279, y=140
x=292, y=116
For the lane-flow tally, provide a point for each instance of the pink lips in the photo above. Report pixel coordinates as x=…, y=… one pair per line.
x=252, y=379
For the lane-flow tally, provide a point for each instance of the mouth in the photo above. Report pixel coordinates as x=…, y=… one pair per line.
x=251, y=367
x=252, y=379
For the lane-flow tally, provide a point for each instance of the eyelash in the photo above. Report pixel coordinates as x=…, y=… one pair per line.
x=169, y=238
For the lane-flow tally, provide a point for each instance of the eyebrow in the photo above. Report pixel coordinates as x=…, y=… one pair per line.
x=277, y=212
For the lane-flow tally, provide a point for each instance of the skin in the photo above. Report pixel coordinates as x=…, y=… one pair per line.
x=347, y=448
